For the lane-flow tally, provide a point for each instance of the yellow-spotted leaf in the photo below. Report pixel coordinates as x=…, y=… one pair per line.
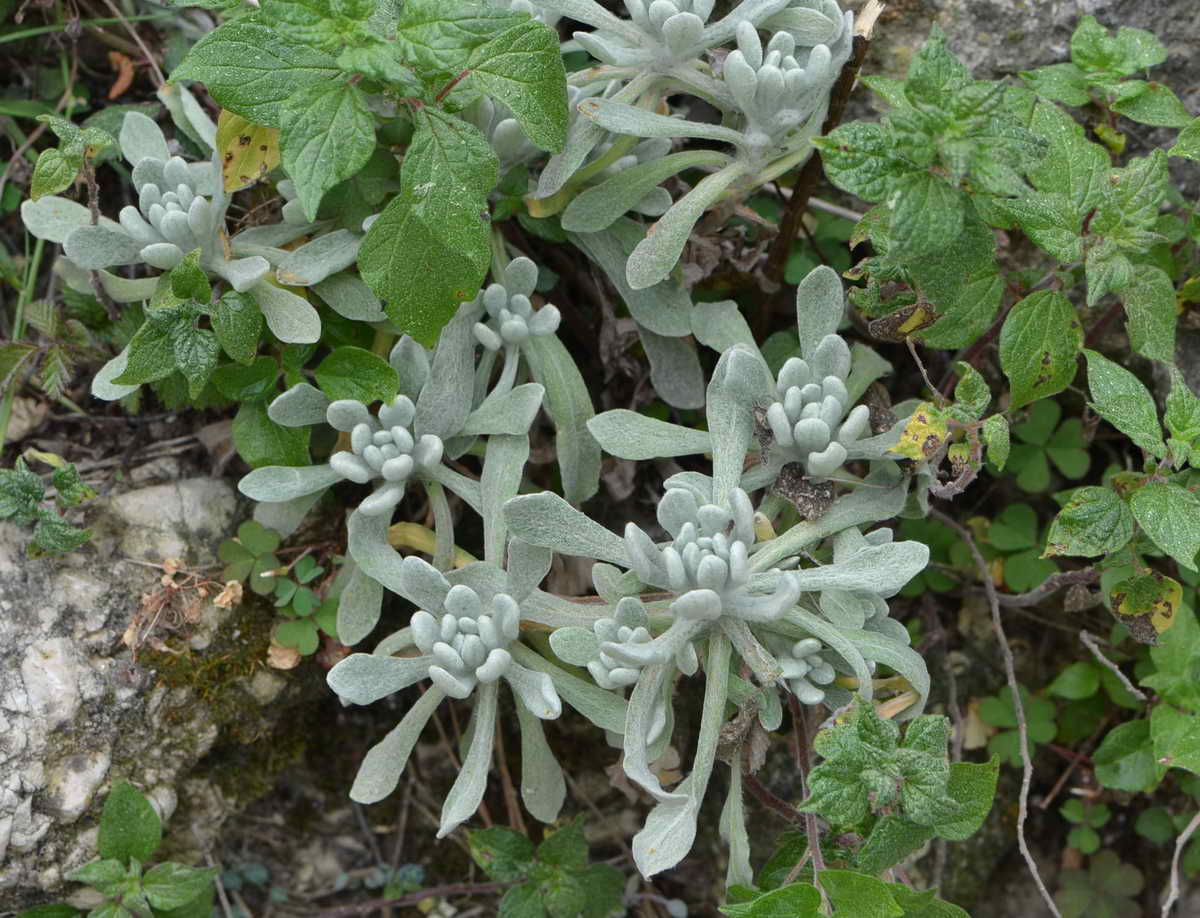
x=923, y=434
x=1151, y=599
x=248, y=150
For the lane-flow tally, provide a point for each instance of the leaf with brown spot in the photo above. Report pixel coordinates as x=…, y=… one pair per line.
x=248, y=151
x=1147, y=604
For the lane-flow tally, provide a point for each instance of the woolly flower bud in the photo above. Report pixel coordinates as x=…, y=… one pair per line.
x=382, y=448
x=511, y=318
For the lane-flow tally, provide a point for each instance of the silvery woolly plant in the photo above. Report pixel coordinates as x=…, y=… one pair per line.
x=802, y=424
x=804, y=610
x=181, y=208
x=773, y=96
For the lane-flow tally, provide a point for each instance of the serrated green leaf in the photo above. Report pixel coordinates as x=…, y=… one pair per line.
x=799, y=900
x=251, y=67
x=71, y=488
x=244, y=383
x=1039, y=344
x=328, y=26
x=430, y=249
x=502, y=853
x=522, y=67
x=1064, y=83
x=1176, y=738
x=1187, y=144
x=1124, y=402
x=1170, y=516
x=129, y=826
x=13, y=356
x=996, y=438
x=189, y=281
x=1150, y=313
x=434, y=36
x=1182, y=415
x=861, y=158
x=971, y=394
x=1156, y=105
x=326, y=134
x=54, y=171
x=927, y=214
x=1176, y=658
x=171, y=885
x=354, y=373
x=1125, y=758
x=237, y=323
x=1095, y=521
x=195, y=353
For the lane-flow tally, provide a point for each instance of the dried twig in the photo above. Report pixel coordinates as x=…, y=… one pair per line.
x=1052, y=584
x=1010, y=671
x=453, y=889
x=1173, y=892
x=1089, y=641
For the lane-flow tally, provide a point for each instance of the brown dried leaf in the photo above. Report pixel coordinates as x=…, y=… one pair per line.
x=123, y=67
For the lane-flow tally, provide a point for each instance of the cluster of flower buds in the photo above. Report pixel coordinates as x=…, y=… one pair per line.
x=774, y=90
x=171, y=218
x=468, y=640
x=382, y=447
x=628, y=628
x=707, y=563
x=804, y=670
x=511, y=316
x=810, y=421
x=663, y=33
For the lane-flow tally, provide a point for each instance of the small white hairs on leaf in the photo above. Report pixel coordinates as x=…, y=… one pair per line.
x=468, y=641
x=809, y=419
x=382, y=447
x=512, y=319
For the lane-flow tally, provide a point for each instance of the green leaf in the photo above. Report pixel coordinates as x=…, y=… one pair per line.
x=1151, y=599
x=1095, y=521
x=71, y=488
x=1187, y=144
x=1039, y=344
x=1125, y=759
x=54, y=171
x=1156, y=104
x=861, y=158
x=524, y=901
x=151, y=351
x=935, y=72
x=237, y=323
x=855, y=894
x=996, y=438
x=604, y=887
x=1170, y=516
x=129, y=826
x=1150, y=313
x=1093, y=49
x=195, y=352
x=430, y=249
x=799, y=900
x=257, y=538
x=1130, y=205
x=21, y=491
x=892, y=839
x=300, y=635
x=1064, y=83
x=172, y=885
x=436, y=36
x=260, y=441
x=503, y=854
x=251, y=68
x=13, y=356
x=565, y=848
x=189, y=281
x=1124, y=402
x=106, y=876
x=973, y=786
x=55, y=535
x=1176, y=658
x=522, y=67
x=243, y=383
x=326, y=134
x=50, y=911
x=1079, y=680
x=354, y=373
x=319, y=23
x=1176, y=738
x=1014, y=528
x=927, y=214
x=1182, y=417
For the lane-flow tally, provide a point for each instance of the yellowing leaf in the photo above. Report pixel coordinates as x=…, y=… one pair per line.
x=248, y=150
x=1151, y=597
x=923, y=434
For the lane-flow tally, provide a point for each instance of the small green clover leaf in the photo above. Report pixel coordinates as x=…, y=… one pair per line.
x=1087, y=818
x=998, y=711
x=251, y=556
x=1014, y=535
x=1105, y=890
x=1045, y=441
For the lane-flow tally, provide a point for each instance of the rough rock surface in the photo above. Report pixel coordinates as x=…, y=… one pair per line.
x=77, y=710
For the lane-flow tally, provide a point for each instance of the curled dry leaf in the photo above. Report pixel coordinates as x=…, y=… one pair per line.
x=123, y=67
x=230, y=596
x=280, y=657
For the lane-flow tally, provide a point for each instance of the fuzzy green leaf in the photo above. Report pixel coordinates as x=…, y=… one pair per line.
x=1095, y=521
x=1124, y=402
x=354, y=373
x=237, y=323
x=1039, y=344
x=1170, y=516
x=129, y=826
x=522, y=67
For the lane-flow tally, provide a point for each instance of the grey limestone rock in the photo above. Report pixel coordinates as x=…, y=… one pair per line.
x=77, y=710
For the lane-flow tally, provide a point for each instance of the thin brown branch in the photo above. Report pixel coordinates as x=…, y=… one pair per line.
x=1089, y=641
x=1010, y=671
x=1050, y=585
x=1180, y=842
x=768, y=798
x=453, y=889
x=1081, y=756
x=811, y=171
